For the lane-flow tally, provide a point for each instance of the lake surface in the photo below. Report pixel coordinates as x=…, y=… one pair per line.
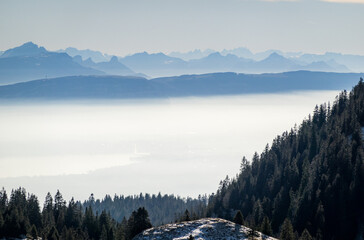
x=183, y=146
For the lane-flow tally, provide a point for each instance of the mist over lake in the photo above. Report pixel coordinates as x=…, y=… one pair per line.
x=183, y=146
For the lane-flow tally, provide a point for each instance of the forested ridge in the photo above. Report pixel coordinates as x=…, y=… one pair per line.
x=311, y=176
x=162, y=209
x=108, y=219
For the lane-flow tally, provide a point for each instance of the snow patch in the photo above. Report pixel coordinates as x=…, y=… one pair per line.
x=202, y=229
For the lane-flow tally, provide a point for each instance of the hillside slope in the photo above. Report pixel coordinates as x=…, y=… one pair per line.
x=312, y=175
x=202, y=229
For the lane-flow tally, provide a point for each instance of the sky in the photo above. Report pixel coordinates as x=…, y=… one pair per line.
x=121, y=27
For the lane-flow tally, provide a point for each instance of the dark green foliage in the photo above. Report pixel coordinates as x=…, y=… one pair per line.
x=305, y=235
x=34, y=232
x=266, y=227
x=287, y=231
x=312, y=174
x=238, y=218
x=138, y=221
x=161, y=208
x=21, y=216
x=186, y=216
x=53, y=234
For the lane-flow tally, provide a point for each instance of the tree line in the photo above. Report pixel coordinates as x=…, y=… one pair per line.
x=310, y=180
x=21, y=216
x=162, y=209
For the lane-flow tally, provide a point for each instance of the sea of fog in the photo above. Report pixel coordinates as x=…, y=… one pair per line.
x=183, y=146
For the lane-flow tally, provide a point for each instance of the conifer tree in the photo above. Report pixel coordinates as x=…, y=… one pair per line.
x=34, y=232
x=238, y=218
x=305, y=235
x=53, y=234
x=266, y=228
x=287, y=230
x=138, y=222
x=186, y=216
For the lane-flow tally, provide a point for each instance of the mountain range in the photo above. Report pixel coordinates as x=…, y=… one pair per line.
x=30, y=61
x=197, y=61
x=118, y=87
x=161, y=65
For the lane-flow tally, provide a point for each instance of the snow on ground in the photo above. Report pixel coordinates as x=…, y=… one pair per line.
x=203, y=229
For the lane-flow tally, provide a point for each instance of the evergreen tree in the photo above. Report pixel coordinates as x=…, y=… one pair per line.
x=53, y=234
x=265, y=227
x=305, y=235
x=47, y=213
x=138, y=222
x=33, y=211
x=186, y=216
x=238, y=218
x=34, y=232
x=287, y=230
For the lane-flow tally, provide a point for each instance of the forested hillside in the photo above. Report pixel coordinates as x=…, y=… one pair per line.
x=312, y=175
x=118, y=218
x=162, y=209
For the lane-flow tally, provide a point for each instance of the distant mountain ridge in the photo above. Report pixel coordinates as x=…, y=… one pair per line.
x=113, y=67
x=28, y=49
x=214, y=84
x=96, y=56
x=161, y=65
x=28, y=62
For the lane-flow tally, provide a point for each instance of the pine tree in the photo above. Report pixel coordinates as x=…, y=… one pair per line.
x=238, y=218
x=34, y=232
x=287, y=230
x=53, y=234
x=266, y=228
x=305, y=235
x=138, y=222
x=33, y=211
x=47, y=213
x=103, y=235
x=186, y=216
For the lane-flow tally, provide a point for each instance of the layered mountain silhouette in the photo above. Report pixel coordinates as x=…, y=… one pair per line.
x=160, y=65
x=156, y=64
x=95, y=56
x=29, y=62
x=119, y=87
x=112, y=67
x=83, y=87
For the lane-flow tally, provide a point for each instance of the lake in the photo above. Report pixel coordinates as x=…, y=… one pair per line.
x=183, y=146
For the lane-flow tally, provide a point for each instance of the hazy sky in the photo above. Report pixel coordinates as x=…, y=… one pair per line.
x=125, y=26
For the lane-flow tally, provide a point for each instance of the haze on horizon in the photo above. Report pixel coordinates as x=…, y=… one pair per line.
x=183, y=146
x=125, y=27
